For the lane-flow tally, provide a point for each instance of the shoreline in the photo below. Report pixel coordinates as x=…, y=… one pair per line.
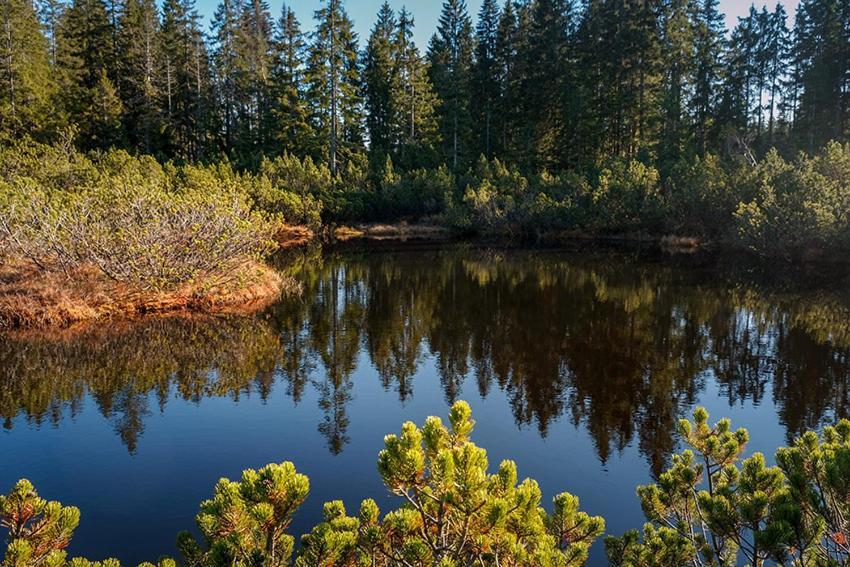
x=30, y=299
x=435, y=233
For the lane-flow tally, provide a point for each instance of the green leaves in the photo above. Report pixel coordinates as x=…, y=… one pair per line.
x=245, y=522
x=38, y=530
x=709, y=509
x=818, y=469
x=798, y=204
x=453, y=511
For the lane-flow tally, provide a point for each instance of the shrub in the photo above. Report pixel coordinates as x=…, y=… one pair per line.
x=817, y=469
x=626, y=196
x=492, y=198
x=798, y=205
x=39, y=531
x=301, y=177
x=245, y=522
x=136, y=222
x=414, y=194
x=709, y=510
x=288, y=207
x=703, y=197
x=454, y=511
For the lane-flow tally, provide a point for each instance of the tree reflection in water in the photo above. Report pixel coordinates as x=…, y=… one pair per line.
x=618, y=345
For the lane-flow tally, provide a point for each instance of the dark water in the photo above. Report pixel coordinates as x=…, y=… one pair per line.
x=576, y=364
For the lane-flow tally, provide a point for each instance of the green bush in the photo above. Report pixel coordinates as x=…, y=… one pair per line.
x=625, y=197
x=453, y=512
x=799, y=205
x=418, y=193
x=703, y=197
x=136, y=222
x=709, y=508
x=245, y=522
x=777, y=208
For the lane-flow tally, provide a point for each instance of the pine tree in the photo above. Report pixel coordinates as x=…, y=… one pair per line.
x=450, y=56
x=486, y=78
x=38, y=530
x=380, y=75
x=548, y=87
x=822, y=48
x=86, y=61
x=334, y=89
x=415, y=128
x=185, y=83
x=292, y=129
x=25, y=75
x=708, y=37
x=139, y=53
x=225, y=25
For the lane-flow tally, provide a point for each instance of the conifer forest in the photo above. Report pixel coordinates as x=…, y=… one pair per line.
x=262, y=263
x=593, y=117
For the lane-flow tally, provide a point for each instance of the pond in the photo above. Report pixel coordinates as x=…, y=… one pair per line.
x=577, y=365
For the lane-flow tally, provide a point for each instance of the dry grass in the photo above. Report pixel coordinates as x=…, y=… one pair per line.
x=681, y=243
x=395, y=231
x=290, y=236
x=30, y=297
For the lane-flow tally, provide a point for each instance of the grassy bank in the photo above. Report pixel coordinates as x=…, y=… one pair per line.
x=33, y=297
x=91, y=237
x=87, y=236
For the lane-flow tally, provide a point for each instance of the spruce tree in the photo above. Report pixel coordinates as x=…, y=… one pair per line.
x=708, y=38
x=738, y=84
x=509, y=40
x=591, y=86
x=822, y=47
x=414, y=124
x=225, y=29
x=450, y=56
x=777, y=62
x=25, y=76
x=679, y=68
x=334, y=87
x=185, y=82
x=139, y=44
x=86, y=61
x=486, y=78
x=380, y=77
x=639, y=78
x=548, y=87
x=253, y=94
x=292, y=130
x=102, y=117
x=50, y=15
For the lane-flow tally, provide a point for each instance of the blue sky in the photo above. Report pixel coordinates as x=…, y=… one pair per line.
x=426, y=12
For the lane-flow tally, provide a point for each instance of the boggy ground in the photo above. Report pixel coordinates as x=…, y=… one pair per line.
x=31, y=297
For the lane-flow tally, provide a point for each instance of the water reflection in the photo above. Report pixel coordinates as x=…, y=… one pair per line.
x=619, y=345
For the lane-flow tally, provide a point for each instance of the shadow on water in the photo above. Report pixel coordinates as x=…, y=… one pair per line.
x=619, y=343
